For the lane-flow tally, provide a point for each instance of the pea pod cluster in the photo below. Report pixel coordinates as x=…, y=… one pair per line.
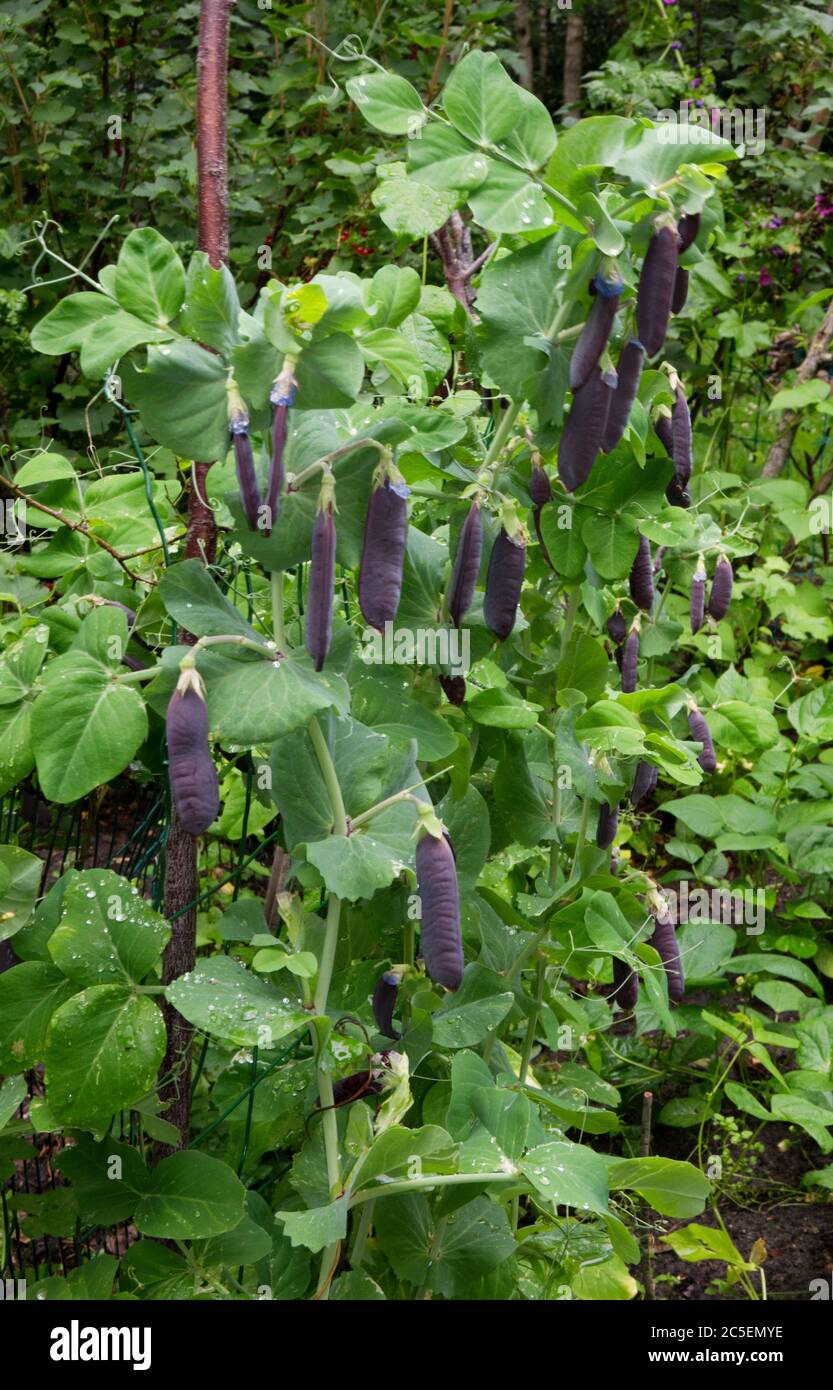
x=583, y=432
x=656, y=288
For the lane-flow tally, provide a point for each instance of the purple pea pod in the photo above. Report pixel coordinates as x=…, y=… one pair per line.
x=664, y=942
x=318, y=624
x=540, y=489
x=607, y=826
x=597, y=329
x=644, y=782
x=466, y=564
x=721, y=590
x=581, y=437
x=656, y=289
x=642, y=577
x=504, y=582
x=246, y=476
x=384, y=1002
x=699, y=730
x=628, y=371
x=680, y=294
x=630, y=659
x=133, y=663
x=625, y=988
x=441, y=943
x=681, y=437
x=383, y=547
x=282, y=397
x=193, y=776
x=687, y=229
x=617, y=627
x=698, y=596
x=353, y=1087
x=662, y=430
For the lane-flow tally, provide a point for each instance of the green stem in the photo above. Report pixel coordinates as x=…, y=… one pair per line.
x=532, y=1024
x=502, y=433
x=582, y=835
x=126, y=677
x=360, y=1238
x=276, y=579
x=235, y=640
x=298, y=479
x=392, y=1189
x=330, y=776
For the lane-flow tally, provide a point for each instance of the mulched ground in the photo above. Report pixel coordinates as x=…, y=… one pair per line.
x=797, y=1231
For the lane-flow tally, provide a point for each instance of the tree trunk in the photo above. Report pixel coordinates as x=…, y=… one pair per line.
x=523, y=28
x=200, y=543
x=573, y=64
x=542, y=84
x=816, y=354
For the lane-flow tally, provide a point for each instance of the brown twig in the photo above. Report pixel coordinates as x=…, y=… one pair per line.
x=646, y=1267
x=434, y=81
x=816, y=352
x=80, y=526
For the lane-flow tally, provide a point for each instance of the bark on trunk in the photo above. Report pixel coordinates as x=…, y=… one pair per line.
x=200, y=543
x=816, y=354
x=573, y=63
x=523, y=28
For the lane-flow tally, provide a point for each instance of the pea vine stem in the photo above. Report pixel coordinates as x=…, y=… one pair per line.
x=329, y=1123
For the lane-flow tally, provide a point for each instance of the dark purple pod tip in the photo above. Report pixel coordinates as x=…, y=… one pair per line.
x=455, y=688
x=644, y=782
x=721, y=590
x=617, y=627
x=540, y=489
x=384, y=1003
x=607, y=826
x=687, y=229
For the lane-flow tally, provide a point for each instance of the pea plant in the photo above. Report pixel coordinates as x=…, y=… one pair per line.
x=473, y=620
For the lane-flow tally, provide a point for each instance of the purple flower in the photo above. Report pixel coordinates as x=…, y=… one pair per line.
x=699, y=101
x=695, y=81
x=775, y=222
x=740, y=278
x=777, y=250
x=764, y=279
x=669, y=2
x=676, y=44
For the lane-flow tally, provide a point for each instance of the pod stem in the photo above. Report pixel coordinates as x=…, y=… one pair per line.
x=297, y=480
